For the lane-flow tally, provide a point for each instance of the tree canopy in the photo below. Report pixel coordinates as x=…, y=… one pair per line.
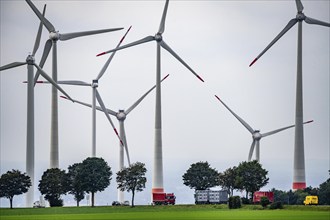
x=201, y=176
x=14, y=183
x=251, y=176
x=95, y=175
x=132, y=179
x=227, y=180
x=75, y=183
x=53, y=184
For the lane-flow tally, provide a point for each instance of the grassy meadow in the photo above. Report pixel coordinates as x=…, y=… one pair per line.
x=180, y=212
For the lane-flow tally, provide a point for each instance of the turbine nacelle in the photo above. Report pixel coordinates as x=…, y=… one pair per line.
x=300, y=16
x=121, y=115
x=158, y=37
x=95, y=83
x=256, y=135
x=30, y=59
x=55, y=36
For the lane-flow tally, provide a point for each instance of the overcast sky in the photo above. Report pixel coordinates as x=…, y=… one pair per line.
x=218, y=39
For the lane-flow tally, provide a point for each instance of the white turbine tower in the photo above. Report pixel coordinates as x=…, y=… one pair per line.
x=121, y=117
x=157, y=180
x=94, y=86
x=54, y=36
x=30, y=61
x=256, y=135
x=299, y=179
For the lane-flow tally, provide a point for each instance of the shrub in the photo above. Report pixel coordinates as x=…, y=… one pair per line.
x=234, y=202
x=245, y=201
x=55, y=202
x=276, y=205
x=264, y=201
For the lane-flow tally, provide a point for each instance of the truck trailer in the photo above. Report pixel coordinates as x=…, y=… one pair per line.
x=257, y=196
x=163, y=198
x=211, y=196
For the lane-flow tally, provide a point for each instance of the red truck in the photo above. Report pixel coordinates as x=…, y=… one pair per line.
x=257, y=196
x=163, y=198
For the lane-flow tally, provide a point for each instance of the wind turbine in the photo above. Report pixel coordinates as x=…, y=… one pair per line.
x=30, y=62
x=121, y=116
x=157, y=180
x=94, y=86
x=256, y=135
x=54, y=36
x=299, y=179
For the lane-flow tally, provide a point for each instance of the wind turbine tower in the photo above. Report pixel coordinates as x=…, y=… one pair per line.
x=157, y=177
x=54, y=37
x=299, y=178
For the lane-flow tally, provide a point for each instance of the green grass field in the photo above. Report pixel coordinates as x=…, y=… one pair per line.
x=180, y=212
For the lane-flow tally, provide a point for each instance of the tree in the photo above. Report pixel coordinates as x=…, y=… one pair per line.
x=75, y=186
x=201, y=176
x=14, y=183
x=324, y=193
x=227, y=180
x=53, y=184
x=251, y=176
x=95, y=175
x=132, y=179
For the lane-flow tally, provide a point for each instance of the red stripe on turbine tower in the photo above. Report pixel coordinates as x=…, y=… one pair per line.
x=296, y=185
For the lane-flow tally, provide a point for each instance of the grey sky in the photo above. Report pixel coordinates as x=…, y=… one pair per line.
x=218, y=39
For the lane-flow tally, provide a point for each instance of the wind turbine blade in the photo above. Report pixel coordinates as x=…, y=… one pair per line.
x=112, y=55
x=69, y=82
x=73, y=82
x=246, y=125
x=49, y=79
x=69, y=36
x=12, y=65
x=251, y=149
x=47, y=24
x=281, y=129
x=291, y=23
x=47, y=48
x=99, y=99
x=123, y=137
x=166, y=47
x=37, y=42
x=90, y=106
x=140, y=99
x=143, y=40
x=162, y=22
x=300, y=6
x=314, y=21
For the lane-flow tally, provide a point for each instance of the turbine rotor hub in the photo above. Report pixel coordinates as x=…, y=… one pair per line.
x=121, y=115
x=30, y=59
x=158, y=37
x=95, y=83
x=54, y=36
x=256, y=135
x=300, y=16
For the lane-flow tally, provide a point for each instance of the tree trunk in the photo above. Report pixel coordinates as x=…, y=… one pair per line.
x=92, y=199
x=11, y=202
x=77, y=203
x=133, y=194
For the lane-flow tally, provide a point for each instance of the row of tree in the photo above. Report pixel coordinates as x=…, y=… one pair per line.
x=297, y=197
x=88, y=177
x=247, y=176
